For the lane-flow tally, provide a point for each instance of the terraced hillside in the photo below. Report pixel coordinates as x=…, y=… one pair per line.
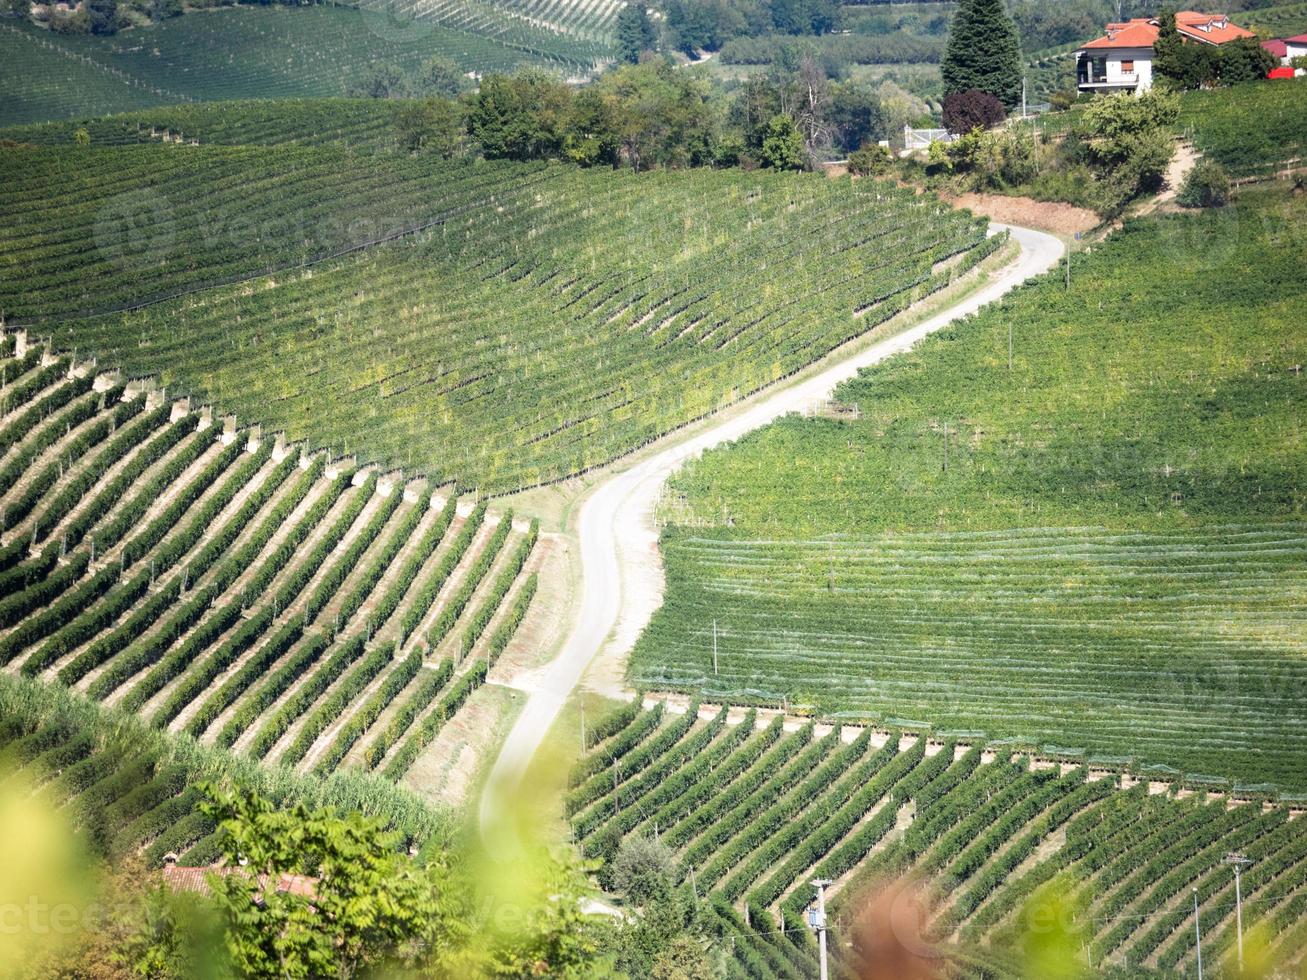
x=285, y=606
x=1098, y=544
x=455, y=352
x=755, y=808
x=129, y=789
x=361, y=124
x=1218, y=122
x=134, y=224
x=267, y=52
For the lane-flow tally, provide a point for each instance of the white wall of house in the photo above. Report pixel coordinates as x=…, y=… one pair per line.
x=1125, y=68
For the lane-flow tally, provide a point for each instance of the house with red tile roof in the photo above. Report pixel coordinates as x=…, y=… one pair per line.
x=179, y=878
x=1286, y=49
x=1122, y=59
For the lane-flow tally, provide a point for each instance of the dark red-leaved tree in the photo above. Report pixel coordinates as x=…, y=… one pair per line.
x=964, y=111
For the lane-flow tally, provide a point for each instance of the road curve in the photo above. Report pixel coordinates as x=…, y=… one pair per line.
x=615, y=516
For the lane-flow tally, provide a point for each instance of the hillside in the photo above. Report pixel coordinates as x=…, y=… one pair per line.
x=1113, y=556
x=454, y=352
x=129, y=789
x=264, y=52
x=254, y=596
x=754, y=808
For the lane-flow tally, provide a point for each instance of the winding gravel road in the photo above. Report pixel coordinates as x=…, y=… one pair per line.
x=616, y=529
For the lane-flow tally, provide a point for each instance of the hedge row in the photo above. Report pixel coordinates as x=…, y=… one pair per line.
x=131, y=661
x=622, y=743
x=390, y=549
x=368, y=712
x=998, y=872
x=281, y=556
x=503, y=582
x=629, y=765
x=200, y=676
x=266, y=737
x=421, y=696
x=744, y=773
x=611, y=724
x=774, y=774
x=98, y=616
x=423, y=734
x=263, y=697
x=454, y=606
x=254, y=668
x=51, y=432
x=648, y=789
x=731, y=756
x=337, y=700
x=507, y=629
x=37, y=487
x=302, y=570
x=835, y=810
x=40, y=408
x=334, y=577
x=431, y=588
x=385, y=606
x=892, y=784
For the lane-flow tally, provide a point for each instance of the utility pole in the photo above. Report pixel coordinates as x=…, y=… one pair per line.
x=1023, y=97
x=1198, y=936
x=817, y=920
x=1238, y=860
x=714, y=647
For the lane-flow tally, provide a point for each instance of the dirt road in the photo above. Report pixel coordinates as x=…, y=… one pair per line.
x=618, y=543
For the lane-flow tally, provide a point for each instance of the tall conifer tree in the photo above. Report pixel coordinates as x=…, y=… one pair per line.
x=983, y=52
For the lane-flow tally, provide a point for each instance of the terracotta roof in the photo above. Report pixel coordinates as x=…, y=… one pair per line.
x=1141, y=32
x=1296, y=39
x=182, y=879
x=1138, y=33
x=1276, y=47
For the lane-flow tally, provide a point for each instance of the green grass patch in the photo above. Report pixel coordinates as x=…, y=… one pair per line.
x=1115, y=556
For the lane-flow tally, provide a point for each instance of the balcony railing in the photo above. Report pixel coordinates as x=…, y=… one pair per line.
x=1131, y=78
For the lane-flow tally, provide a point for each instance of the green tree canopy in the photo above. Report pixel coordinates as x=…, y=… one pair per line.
x=370, y=903
x=782, y=146
x=635, y=32
x=983, y=52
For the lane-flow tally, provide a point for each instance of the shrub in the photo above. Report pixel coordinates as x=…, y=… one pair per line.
x=869, y=160
x=644, y=870
x=965, y=111
x=1206, y=185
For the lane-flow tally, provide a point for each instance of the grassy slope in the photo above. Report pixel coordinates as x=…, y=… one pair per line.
x=1218, y=120
x=1115, y=557
x=239, y=53
x=457, y=353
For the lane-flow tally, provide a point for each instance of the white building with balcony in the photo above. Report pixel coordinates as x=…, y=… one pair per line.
x=1122, y=60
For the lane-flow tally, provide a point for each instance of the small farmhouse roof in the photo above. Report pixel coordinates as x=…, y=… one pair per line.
x=1141, y=32
x=1276, y=47
x=1296, y=39
x=183, y=879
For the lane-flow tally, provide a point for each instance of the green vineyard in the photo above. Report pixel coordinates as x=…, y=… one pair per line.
x=1101, y=546
x=454, y=351
x=754, y=809
x=131, y=789
x=1219, y=123
x=266, y=52
x=289, y=608
x=356, y=123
